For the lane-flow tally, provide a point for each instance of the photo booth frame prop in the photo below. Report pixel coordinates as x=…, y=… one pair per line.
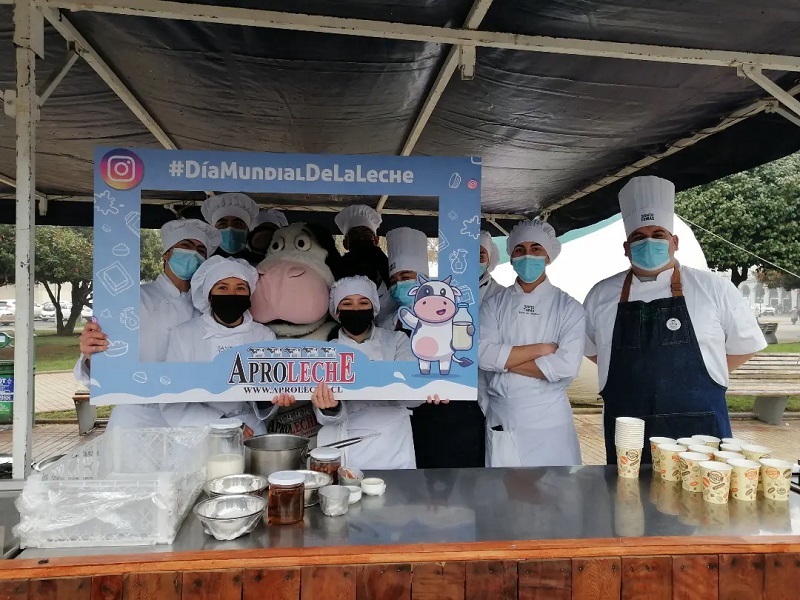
x=295, y=367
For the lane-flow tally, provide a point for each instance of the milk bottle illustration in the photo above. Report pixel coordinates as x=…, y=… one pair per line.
x=463, y=328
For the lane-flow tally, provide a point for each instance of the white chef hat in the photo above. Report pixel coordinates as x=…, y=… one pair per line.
x=358, y=215
x=491, y=248
x=646, y=202
x=230, y=205
x=175, y=231
x=536, y=231
x=347, y=286
x=408, y=250
x=270, y=215
x=215, y=269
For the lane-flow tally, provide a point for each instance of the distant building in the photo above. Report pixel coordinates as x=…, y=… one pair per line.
x=761, y=296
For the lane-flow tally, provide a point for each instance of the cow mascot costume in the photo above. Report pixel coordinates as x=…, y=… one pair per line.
x=291, y=298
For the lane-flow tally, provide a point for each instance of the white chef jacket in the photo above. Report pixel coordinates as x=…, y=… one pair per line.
x=535, y=414
x=162, y=308
x=394, y=448
x=488, y=287
x=201, y=340
x=720, y=316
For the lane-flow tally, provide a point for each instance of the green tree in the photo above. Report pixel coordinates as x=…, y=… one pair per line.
x=65, y=255
x=757, y=210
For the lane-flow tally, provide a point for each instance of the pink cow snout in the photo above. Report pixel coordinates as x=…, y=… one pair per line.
x=289, y=291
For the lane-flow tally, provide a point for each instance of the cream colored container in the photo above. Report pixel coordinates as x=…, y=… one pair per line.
x=708, y=440
x=690, y=470
x=671, y=461
x=744, y=479
x=775, y=478
x=654, y=442
x=629, y=461
x=723, y=456
x=716, y=481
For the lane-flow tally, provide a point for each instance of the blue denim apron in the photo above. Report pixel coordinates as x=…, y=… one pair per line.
x=657, y=373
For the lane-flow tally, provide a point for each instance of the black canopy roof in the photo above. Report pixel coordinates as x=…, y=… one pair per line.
x=546, y=125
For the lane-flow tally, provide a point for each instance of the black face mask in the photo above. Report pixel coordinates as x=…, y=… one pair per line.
x=356, y=321
x=229, y=309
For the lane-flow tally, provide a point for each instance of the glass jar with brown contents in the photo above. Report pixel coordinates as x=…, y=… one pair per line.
x=326, y=460
x=285, y=500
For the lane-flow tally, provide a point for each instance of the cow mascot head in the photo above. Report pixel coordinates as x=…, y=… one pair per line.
x=294, y=282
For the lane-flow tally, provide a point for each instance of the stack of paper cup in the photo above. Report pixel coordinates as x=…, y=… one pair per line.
x=690, y=470
x=654, y=443
x=744, y=479
x=629, y=438
x=708, y=440
x=716, y=481
x=775, y=478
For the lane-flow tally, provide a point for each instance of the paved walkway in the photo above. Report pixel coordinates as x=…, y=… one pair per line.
x=54, y=391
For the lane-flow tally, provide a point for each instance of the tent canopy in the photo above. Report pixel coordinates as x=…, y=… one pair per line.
x=546, y=124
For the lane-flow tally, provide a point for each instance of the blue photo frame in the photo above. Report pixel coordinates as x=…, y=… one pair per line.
x=118, y=377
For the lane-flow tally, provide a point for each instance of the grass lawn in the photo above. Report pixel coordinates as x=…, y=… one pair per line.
x=53, y=352
x=103, y=412
x=782, y=348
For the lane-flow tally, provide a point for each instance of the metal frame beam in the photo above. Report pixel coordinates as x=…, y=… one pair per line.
x=26, y=16
x=786, y=114
x=58, y=75
x=68, y=31
x=474, y=18
x=227, y=15
x=734, y=118
x=754, y=74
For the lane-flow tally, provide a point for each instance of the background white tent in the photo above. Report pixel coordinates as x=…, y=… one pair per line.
x=593, y=253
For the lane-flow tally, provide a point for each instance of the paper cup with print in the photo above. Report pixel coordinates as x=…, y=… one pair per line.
x=731, y=448
x=702, y=449
x=708, y=440
x=733, y=440
x=629, y=460
x=744, y=479
x=716, y=481
x=723, y=456
x=775, y=478
x=670, y=461
x=654, y=442
x=691, y=508
x=684, y=441
x=755, y=452
x=690, y=470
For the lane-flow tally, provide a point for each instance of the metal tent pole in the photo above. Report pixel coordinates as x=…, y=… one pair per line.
x=28, y=42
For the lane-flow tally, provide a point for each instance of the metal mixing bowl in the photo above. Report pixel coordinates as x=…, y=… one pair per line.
x=232, y=485
x=314, y=481
x=230, y=517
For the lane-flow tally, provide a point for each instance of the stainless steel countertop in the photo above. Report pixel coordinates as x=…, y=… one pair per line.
x=483, y=505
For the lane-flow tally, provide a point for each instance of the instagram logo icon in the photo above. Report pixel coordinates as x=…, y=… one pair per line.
x=122, y=169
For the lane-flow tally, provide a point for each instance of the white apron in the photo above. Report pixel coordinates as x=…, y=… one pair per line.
x=536, y=433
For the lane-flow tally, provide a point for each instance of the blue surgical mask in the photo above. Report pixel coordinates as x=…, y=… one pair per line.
x=483, y=267
x=529, y=268
x=184, y=263
x=233, y=240
x=399, y=292
x=650, y=254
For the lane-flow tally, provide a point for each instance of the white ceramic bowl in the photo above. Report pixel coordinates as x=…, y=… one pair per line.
x=355, y=493
x=373, y=486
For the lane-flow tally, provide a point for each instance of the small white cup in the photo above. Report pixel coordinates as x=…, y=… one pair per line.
x=686, y=441
x=670, y=461
x=730, y=447
x=744, y=479
x=723, y=456
x=708, y=440
x=373, y=486
x=701, y=448
x=656, y=457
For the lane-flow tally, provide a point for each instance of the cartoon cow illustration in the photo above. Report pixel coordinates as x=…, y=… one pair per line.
x=275, y=352
x=431, y=320
x=329, y=352
x=311, y=352
x=294, y=352
x=257, y=352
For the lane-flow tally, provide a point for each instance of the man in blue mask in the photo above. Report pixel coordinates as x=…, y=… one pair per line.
x=665, y=336
x=408, y=257
x=531, y=347
x=233, y=214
